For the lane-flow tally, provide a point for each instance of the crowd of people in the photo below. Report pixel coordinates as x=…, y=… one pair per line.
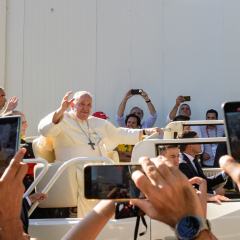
x=77, y=134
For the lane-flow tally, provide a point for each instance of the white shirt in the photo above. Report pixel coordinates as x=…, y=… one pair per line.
x=207, y=148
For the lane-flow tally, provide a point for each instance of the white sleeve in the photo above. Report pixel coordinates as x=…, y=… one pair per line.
x=168, y=120
x=151, y=121
x=120, y=121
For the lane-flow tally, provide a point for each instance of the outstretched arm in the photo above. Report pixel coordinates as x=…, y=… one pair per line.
x=149, y=104
x=65, y=104
x=173, y=113
x=91, y=225
x=123, y=103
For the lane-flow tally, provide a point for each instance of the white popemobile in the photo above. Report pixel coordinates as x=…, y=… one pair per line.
x=62, y=188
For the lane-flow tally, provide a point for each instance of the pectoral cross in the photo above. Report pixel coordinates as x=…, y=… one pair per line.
x=91, y=143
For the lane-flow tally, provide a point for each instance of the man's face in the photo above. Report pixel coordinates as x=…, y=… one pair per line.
x=185, y=110
x=196, y=148
x=2, y=99
x=82, y=107
x=24, y=123
x=132, y=123
x=137, y=112
x=172, y=154
x=211, y=116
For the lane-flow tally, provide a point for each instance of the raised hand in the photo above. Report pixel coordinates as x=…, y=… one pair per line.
x=145, y=96
x=65, y=104
x=179, y=100
x=12, y=103
x=169, y=193
x=128, y=95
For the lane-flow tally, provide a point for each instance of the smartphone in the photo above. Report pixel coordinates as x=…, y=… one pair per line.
x=111, y=182
x=10, y=137
x=187, y=98
x=231, y=115
x=136, y=91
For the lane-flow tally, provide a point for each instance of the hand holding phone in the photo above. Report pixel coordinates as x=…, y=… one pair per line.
x=136, y=91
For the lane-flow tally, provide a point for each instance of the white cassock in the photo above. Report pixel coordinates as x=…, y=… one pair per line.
x=69, y=141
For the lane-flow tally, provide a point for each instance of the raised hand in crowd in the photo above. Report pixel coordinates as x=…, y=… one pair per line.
x=12, y=104
x=173, y=113
x=11, y=182
x=169, y=193
x=123, y=103
x=65, y=104
x=149, y=103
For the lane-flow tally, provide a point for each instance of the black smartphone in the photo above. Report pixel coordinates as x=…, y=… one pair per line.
x=10, y=137
x=187, y=98
x=136, y=91
x=231, y=115
x=111, y=182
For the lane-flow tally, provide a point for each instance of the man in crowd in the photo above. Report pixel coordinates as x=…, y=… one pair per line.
x=12, y=103
x=171, y=153
x=184, y=110
x=125, y=151
x=190, y=167
x=211, y=130
x=137, y=111
x=77, y=134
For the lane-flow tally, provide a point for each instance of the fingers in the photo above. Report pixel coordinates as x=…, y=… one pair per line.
x=151, y=170
x=71, y=101
x=12, y=170
x=197, y=180
x=142, y=182
x=67, y=95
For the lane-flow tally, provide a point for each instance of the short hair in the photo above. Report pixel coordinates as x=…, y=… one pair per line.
x=186, y=105
x=77, y=95
x=138, y=108
x=164, y=148
x=1, y=88
x=133, y=115
x=185, y=134
x=181, y=118
x=212, y=111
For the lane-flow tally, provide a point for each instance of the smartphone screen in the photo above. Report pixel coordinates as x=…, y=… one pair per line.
x=231, y=112
x=187, y=98
x=111, y=182
x=10, y=136
x=136, y=91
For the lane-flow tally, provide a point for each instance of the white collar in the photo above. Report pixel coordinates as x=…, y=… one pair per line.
x=191, y=158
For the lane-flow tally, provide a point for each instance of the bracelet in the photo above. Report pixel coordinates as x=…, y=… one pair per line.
x=148, y=101
x=144, y=133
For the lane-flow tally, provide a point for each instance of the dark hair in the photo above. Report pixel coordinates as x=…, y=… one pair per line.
x=181, y=118
x=185, y=134
x=135, y=116
x=138, y=108
x=212, y=111
x=163, y=148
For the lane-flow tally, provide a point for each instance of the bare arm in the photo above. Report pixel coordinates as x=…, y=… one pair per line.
x=173, y=113
x=123, y=103
x=64, y=106
x=91, y=225
x=149, y=104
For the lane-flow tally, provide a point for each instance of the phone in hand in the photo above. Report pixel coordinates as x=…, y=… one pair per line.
x=136, y=91
x=187, y=98
x=111, y=182
x=231, y=116
x=10, y=137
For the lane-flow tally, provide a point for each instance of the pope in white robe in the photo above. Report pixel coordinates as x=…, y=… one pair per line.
x=76, y=134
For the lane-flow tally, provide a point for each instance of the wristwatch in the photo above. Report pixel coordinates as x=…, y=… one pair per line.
x=189, y=227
